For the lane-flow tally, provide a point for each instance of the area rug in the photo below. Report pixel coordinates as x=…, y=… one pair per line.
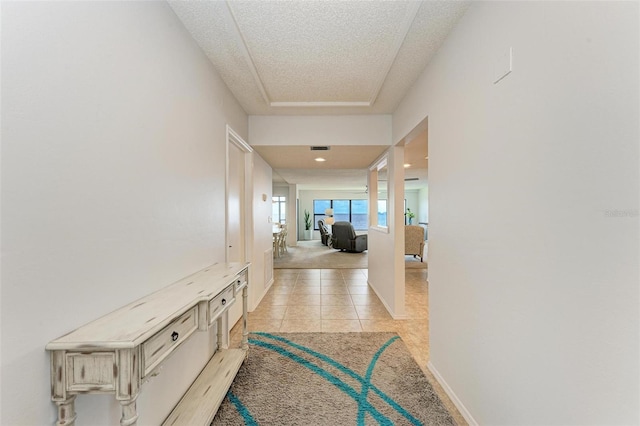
x=411, y=262
x=315, y=255
x=330, y=379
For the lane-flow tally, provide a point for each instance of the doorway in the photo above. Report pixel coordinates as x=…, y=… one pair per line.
x=416, y=208
x=238, y=209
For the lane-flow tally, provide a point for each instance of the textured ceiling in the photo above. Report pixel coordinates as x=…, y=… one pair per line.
x=319, y=57
x=322, y=57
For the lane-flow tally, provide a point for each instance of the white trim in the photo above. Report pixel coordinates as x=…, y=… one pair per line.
x=452, y=395
x=420, y=127
x=242, y=44
x=268, y=283
x=320, y=104
x=237, y=140
x=264, y=293
x=381, y=162
x=403, y=30
x=393, y=314
x=268, y=267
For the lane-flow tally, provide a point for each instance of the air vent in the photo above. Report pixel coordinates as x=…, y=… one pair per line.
x=320, y=148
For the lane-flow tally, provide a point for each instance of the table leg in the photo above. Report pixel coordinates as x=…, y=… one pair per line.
x=219, y=337
x=245, y=332
x=66, y=412
x=129, y=412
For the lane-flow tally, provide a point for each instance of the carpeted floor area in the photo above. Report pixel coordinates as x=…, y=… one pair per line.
x=330, y=379
x=314, y=255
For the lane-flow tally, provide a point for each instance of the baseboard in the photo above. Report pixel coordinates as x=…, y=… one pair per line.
x=264, y=293
x=452, y=395
x=384, y=302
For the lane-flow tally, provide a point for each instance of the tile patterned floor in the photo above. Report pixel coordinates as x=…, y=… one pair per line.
x=340, y=300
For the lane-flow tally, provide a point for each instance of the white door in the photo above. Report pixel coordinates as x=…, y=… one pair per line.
x=235, y=205
x=235, y=217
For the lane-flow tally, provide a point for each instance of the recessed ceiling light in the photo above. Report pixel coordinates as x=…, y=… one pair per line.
x=407, y=165
x=320, y=159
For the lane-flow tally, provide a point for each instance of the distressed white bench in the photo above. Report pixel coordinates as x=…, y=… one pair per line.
x=116, y=353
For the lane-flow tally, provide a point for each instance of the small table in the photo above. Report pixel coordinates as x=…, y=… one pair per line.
x=117, y=352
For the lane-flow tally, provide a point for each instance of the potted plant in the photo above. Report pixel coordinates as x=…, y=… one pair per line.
x=410, y=215
x=307, y=225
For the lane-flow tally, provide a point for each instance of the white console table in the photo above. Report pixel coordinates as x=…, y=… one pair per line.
x=116, y=353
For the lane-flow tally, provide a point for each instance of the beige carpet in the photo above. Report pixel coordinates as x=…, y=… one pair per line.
x=329, y=379
x=314, y=255
x=414, y=263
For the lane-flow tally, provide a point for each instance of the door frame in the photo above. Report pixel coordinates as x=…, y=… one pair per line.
x=245, y=199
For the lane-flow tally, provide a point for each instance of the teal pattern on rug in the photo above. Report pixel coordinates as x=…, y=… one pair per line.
x=364, y=407
x=329, y=379
x=242, y=410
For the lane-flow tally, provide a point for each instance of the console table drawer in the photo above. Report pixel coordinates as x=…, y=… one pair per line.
x=91, y=371
x=241, y=282
x=220, y=303
x=158, y=347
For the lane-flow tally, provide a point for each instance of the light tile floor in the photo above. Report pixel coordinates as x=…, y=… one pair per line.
x=340, y=300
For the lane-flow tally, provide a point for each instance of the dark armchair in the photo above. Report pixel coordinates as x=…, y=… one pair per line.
x=344, y=238
x=324, y=232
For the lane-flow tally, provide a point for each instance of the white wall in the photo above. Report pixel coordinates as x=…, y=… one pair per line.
x=113, y=142
x=533, y=198
x=262, y=230
x=412, y=197
x=320, y=130
x=423, y=206
x=386, y=247
x=281, y=191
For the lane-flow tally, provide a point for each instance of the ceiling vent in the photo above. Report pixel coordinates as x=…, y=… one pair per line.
x=320, y=148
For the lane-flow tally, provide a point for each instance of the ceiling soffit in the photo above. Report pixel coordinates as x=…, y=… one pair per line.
x=337, y=157
x=321, y=44
x=319, y=57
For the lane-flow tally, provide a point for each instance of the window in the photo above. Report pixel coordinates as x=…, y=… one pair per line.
x=342, y=210
x=279, y=209
x=382, y=212
x=379, y=191
x=319, y=206
x=354, y=211
x=360, y=214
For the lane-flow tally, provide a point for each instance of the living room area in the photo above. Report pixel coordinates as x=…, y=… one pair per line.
x=322, y=199
x=315, y=248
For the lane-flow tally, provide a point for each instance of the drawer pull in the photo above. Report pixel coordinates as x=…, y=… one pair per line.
x=224, y=302
x=174, y=336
